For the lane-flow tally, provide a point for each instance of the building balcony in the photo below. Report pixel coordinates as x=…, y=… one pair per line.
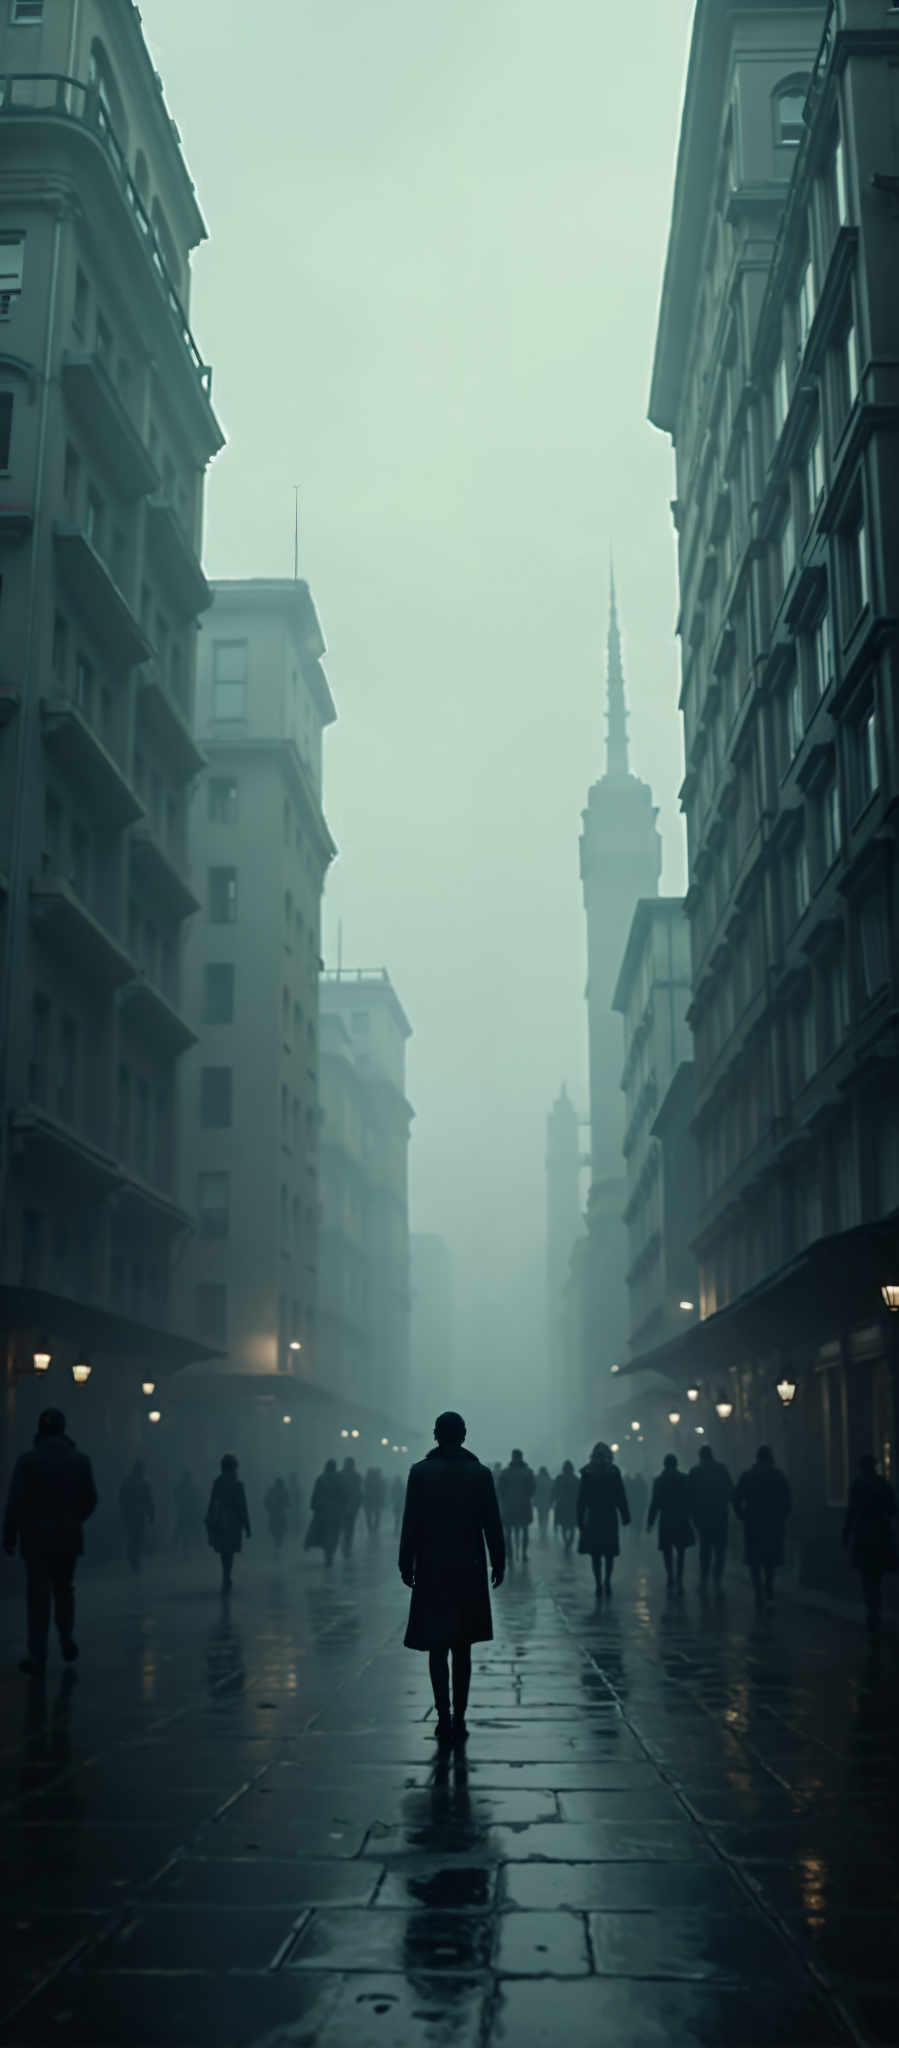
x=150, y=1208
x=16, y=522
x=62, y=1153
x=169, y=723
x=63, y=919
x=162, y=871
x=94, y=400
x=178, y=565
x=52, y=98
x=72, y=742
x=149, y=1011
x=98, y=596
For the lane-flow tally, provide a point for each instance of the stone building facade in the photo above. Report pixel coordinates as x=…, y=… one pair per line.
x=652, y=997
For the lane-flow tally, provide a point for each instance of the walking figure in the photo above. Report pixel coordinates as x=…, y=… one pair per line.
x=565, y=1493
x=762, y=1501
x=227, y=1518
x=351, y=1486
x=51, y=1493
x=137, y=1512
x=277, y=1508
x=870, y=1532
x=187, y=1512
x=517, y=1488
x=670, y=1506
x=373, y=1492
x=451, y=1510
x=711, y=1489
x=326, y=1504
x=543, y=1500
x=601, y=1500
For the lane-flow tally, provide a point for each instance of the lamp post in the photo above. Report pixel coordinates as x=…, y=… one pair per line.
x=148, y=1387
x=81, y=1370
x=693, y=1393
x=674, y=1417
x=890, y=1295
x=723, y=1408
x=786, y=1389
x=41, y=1358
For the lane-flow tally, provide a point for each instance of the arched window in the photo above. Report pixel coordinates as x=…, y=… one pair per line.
x=102, y=78
x=789, y=99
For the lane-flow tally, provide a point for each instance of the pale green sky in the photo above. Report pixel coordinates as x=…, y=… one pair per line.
x=437, y=229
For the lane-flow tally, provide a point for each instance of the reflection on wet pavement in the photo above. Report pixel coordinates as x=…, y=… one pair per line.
x=671, y=1824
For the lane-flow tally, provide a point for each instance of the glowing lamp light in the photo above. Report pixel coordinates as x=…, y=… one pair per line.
x=786, y=1389
x=148, y=1386
x=614, y=1448
x=385, y=1441
x=404, y=1448
x=699, y=1429
x=635, y=1425
x=687, y=1306
x=674, y=1416
x=890, y=1294
x=614, y=1368
x=155, y=1415
x=295, y=1344
x=41, y=1361
x=81, y=1371
x=286, y=1418
x=354, y=1432
x=723, y=1408
x=344, y=1432
x=396, y=1447
x=692, y=1393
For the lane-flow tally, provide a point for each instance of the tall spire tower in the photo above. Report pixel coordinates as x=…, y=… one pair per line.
x=621, y=861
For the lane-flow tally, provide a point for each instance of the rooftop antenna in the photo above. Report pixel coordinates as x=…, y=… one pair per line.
x=296, y=532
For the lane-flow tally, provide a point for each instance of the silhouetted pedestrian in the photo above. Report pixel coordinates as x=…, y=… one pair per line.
x=517, y=1487
x=277, y=1507
x=565, y=1492
x=51, y=1494
x=711, y=1489
x=188, y=1512
x=601, y=1500
x=397, y=1500
x=543, y=1499
x=351, y=1484
x=670, y=1507
x=373, y=1491
x=326, y=1504
x=227, y=1518
x=137, y=1512
x=451, y=1510
x=870, y=1532
x=762, y=1501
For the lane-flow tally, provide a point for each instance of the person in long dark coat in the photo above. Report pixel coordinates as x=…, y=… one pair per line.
x=869, y=1532
x=51, y=1493
x=711, y=1488
x=516, y=1494
x=543, y=1499
x=137, y=1512
x=670, y=1507
x=326, y=1507
x=762, y=1502
x=451, y=1511
x=227, y=1517
x=565, y=1493
x=601, y=1500
x=351, y=1484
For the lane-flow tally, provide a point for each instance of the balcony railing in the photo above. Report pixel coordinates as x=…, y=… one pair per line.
x=27, y=93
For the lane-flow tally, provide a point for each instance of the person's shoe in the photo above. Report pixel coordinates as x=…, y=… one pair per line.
x=31, y=1667
x=70, y=1652
x=460, y=1732
x=444, y=1733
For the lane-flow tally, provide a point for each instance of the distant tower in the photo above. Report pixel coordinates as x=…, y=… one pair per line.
x=564, y=1223
x=621, y=860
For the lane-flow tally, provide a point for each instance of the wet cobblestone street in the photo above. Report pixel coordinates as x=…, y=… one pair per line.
x=674, y=1823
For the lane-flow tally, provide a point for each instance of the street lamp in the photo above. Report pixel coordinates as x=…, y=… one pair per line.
x=344, y=1432
x=148, y=1386
x=724, y=1408
x=385, y=1441
x=285, y=1418
x=614, y=1448
x=295, y=1344
x=614, y=1368
x=154, y=1415
x=687, y=1306
x=693, y=1393
x=635, y=1426
x=699, y=1429
x=41, y=1360
x=354, y=1432
x=81, y=1371
x=674, y=1416
x=890, y=1293
x=404, y=1448
x=786, y=1389
x=396, y=1447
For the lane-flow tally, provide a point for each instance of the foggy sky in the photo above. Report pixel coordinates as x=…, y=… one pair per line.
x=437, y=230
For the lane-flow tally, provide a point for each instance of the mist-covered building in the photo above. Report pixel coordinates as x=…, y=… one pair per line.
x=652, y=996
x=620, y=861
x=778, y=330
x=106, y=429
x=564, y=1229
x=364, y=1319
x=432, y=1339
x=260, y=850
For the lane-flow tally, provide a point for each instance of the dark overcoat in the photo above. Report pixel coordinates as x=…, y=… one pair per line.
x=227, y=1518
x=565, y=1493
x=670, y=1507
x=870, y=1525
x=451, y=1511
x=711, y=1488
x=601, y=1499
x=517, y=1486
x=51, y=1494
x=327, y=1512
x=762, y=1501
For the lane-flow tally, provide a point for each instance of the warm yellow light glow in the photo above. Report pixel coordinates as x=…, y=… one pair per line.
x=674, y=1415
x=396, y=1447
x=613, y=1448
x=635, y=1425
x=699, y=1429
x=786, y=1389
x=687, y=1306
x=81, y=1371
x=724, y=1410
x=295, y=1344
x=286, y=1418
x=614, y=1368
x=890, y=1292
x=42, y=1361
x=155, y=1415
x=344, y=1432
x=692, y=1393
x=385, y=1441
x=148, y=1386
x=354, y=1432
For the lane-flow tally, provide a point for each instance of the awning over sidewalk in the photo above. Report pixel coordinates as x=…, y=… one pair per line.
x=60, y=1319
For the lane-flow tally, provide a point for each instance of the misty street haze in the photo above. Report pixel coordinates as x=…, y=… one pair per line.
x=436, y=240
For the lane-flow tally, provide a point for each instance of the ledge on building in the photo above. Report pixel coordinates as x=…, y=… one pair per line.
x=68, y=1156
x=169, y=722
x=149, y=1011
x=73, y=742
x=64, y=1318
x=185, y=581
x=96, y=402
x=161, y=871
x=60, y=916
x=98, y=596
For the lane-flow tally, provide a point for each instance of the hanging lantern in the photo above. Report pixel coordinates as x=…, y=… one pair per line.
x=786, y=1389
x=890, y=1293
x=41, y=1359
x=155, y=1415
x=693, y=1393
x=674, y=1417
x=81, y=1371
x=148, y=1387
x=724, y=1408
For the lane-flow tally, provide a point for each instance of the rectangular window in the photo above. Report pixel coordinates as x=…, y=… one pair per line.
x=795, y=715
x=867, y=768
x=222, y=801
x=229, y=675
x=25, y=12
x=212, y=1311
x=79, y=859
x=801, y=889
x=214, y=1204
x=787, y=551
x=873, y=945
x=839, y=182
x=838, y=1001
x=95, y=518
x=806, y=1047
x=856, y=580
x=831, y=823
x=67, y=1079
x=222, y=895
x=12, y=260
x=215, y=1098
x=229, y=702
x=52, y=832
x=814, y=471
x=40, y=1050
x=805, y=304
x=104, y=341
x=82, y=299
x=70, y=479
x=823, y=641
x=218, y=992
x=780, y=396
x=59, y=656
x=5, y=428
